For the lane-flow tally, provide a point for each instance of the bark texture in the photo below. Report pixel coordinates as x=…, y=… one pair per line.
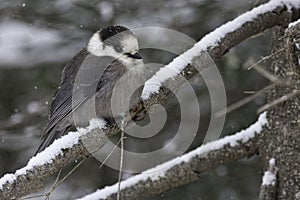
x=283, y=136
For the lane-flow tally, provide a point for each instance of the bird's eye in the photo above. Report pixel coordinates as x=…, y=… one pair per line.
x=118, y=49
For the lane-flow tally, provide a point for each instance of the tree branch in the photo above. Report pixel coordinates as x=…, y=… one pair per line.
x=186, y=168
x=217, y=43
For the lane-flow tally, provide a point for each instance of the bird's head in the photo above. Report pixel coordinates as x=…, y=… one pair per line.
x=115, y=41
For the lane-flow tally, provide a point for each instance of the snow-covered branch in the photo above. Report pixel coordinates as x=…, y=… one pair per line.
x=186, y=168
x=222, y=39
x=53, y=158
x=217, y=43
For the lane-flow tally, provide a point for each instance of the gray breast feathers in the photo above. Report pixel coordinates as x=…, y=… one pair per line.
x=119, y=88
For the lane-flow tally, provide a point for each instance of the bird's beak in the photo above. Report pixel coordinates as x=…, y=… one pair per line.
x=134, y=55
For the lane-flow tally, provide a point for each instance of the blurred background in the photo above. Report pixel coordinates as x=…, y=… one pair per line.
x=38, y=37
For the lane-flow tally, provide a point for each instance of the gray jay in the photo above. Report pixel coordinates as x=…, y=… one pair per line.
x=105, y=78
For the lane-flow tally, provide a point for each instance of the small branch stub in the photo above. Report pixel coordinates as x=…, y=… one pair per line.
x=269, y=182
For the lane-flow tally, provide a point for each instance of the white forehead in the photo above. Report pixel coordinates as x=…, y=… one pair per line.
x=129, y=43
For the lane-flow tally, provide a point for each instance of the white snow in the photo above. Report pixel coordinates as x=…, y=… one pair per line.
x=54, y=150
x=269, y=177
x=272, y=162
x=159, y=171
x=293, y=23
x=210, y=40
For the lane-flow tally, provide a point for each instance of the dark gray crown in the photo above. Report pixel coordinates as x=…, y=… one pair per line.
x=110, y=31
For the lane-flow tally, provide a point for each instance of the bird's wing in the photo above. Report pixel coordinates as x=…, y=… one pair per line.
x=79, y=83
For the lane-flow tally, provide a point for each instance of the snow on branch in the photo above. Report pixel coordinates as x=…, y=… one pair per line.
x=269, y=182
x=46, y=162
x=294, y=23
x=222, y=39
x=217, y=43
x=269, y=177
x=186, y=168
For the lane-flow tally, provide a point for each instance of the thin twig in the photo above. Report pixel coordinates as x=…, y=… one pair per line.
x=56, y=182
x=32, y=197
x=271, y=55
x=64, y=178
x=70, y=172
x=277, y=101
x=48, y=193
x=121, y=164
x=270, y=76
x=266, y=58
x=242, y=102
x=108, y=156
x=53, y=186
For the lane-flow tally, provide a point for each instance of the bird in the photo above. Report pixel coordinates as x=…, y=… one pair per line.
x=107, y=71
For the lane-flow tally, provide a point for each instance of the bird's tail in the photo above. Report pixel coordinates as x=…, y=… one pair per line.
x=50, y=136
